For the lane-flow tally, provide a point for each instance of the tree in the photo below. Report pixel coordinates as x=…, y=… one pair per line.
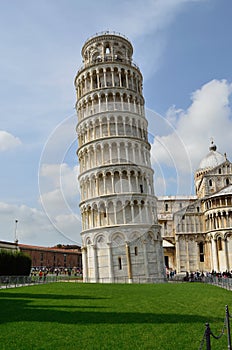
x=14, y=263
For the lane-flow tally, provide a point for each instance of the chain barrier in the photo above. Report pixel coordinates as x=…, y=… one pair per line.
x=222, y=331
x=208, y=332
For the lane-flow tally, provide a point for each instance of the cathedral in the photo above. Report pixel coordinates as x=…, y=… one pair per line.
x=197, y=230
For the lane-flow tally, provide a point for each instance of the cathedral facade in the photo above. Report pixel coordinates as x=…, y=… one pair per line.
x=121, y=238
x=197, y=230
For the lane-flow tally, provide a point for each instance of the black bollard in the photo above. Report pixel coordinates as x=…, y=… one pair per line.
x=228, y=328
x=207, y=336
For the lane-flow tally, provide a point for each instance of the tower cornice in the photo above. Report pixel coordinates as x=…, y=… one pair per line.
x=106, y=35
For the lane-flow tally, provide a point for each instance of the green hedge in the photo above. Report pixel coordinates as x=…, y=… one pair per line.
x=14, y=263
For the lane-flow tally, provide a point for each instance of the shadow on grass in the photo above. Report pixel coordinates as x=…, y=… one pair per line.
x=17, y=310
x=45, y=296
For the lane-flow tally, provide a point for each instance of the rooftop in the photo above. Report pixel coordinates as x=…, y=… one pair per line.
x=212, y=159
x=225, y=191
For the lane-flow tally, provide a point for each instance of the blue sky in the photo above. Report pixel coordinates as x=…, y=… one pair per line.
x=183, y=48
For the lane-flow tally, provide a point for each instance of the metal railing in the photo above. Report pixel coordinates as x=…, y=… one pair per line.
x=107, y=32
x=219, y=281
x=17, y=281
x=223, y=282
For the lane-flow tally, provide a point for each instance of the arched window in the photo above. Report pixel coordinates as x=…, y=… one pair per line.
x=219, y=243
x=210, y=182
x=227, y=182
x=219, y=171
x=166, y=207
x=136, y=250
x=201, y=251
x=119, y=263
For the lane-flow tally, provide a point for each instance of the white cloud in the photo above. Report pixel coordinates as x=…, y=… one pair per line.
x=58, y=170
x=31, y=222
x=151, y=19
x=59, y=220
x=8, y=141
x=61, y=142
x=151, y=16
x=59, y=194
x=59, y=176
x=69, y=223
x=209, y=115
x=34, y=227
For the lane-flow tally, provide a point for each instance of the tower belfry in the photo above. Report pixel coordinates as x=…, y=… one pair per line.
x=121, y=240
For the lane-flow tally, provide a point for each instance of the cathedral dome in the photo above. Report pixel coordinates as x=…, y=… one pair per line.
x=212, y=159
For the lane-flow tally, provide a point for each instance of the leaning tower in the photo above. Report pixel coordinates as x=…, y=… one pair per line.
x=121, y=240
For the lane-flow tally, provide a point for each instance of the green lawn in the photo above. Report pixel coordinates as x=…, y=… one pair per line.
x=105, y=316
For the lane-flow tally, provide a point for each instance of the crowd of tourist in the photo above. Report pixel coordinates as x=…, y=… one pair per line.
x=42, y=272
x=197, y=276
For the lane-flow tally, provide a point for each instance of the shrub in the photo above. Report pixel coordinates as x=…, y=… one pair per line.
x=14, y=263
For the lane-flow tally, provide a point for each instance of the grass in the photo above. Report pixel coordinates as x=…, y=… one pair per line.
x=118, y=316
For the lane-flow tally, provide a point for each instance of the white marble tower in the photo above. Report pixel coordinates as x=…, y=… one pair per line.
x=121, y=240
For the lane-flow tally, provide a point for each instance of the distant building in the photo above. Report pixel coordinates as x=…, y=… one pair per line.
x=197, y=230
x=9, y=246
x=53, y=257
